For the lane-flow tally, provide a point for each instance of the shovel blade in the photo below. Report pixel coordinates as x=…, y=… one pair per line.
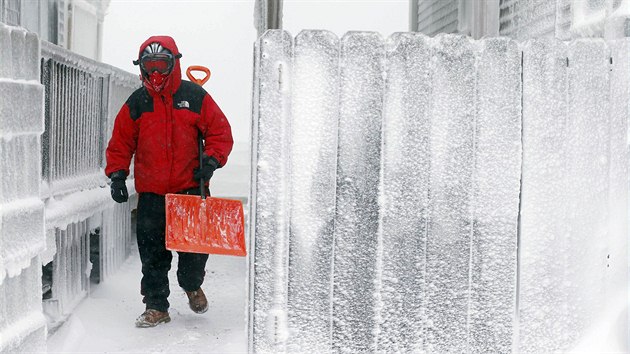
x=211, y=225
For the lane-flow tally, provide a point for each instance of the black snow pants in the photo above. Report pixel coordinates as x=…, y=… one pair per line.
x=156, y=259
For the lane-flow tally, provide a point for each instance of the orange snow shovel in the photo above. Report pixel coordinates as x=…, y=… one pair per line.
x=201, y=224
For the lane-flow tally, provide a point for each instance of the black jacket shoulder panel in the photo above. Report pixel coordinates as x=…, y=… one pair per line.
x=189, y=96
x=139, y=102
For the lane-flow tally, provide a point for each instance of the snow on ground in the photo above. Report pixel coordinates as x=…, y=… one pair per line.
x=104, y=322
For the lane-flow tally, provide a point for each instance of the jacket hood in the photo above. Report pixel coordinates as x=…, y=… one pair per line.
x=175, y=77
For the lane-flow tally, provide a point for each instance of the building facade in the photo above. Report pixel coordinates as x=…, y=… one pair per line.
x=76, y=25
x=522, y=19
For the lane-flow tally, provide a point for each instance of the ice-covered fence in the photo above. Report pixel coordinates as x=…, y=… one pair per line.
x=77, y=109
x=82, y=99
x=393, y=180
x=22, y=239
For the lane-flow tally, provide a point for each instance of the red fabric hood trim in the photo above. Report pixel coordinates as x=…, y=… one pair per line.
x=175, y=78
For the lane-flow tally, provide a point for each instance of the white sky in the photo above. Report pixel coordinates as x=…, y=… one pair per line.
x=220, y=34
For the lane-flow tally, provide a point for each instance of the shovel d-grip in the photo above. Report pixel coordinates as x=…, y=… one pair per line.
x=201, y=81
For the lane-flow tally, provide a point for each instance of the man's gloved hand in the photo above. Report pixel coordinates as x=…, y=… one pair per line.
x=119, y=188
x=206, y=170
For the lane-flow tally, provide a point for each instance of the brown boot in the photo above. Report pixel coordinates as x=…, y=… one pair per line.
x=152, y=318
x=197, y=301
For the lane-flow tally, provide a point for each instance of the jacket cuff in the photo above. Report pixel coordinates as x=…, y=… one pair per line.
x=212, y=161
x=118, y=175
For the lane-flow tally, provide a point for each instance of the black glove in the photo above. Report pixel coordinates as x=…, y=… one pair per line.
x=208, y=165
x=119, y=188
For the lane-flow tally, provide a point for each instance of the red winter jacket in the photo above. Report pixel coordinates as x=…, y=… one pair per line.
x=161, y=129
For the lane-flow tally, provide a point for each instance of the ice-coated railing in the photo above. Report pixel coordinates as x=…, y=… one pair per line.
x=82, y=96
x=438, y=194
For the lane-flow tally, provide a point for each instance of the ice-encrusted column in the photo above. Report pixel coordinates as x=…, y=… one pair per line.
x=406, y=168
x=617, y=267
x=543, y=258
x=22, y=234
x=450, y=195
x=495, y=205
x=314, y=119
x=357, y=210
x=270, y=193
x=588, y=148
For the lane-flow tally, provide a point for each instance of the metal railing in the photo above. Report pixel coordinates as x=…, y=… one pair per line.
x=82, y=97
x=79, y=94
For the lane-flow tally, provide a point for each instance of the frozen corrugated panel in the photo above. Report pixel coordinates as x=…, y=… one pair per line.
x=588, y=149
x=270, y=192
x=6, y=61
x=21, y=107
x=543, y=245
x=22, y=237
x=23, y=154
x=357, y=211
x=495, y=206
x=406, y=168
x=617, y=272
x=450, y=195
x=315, y=115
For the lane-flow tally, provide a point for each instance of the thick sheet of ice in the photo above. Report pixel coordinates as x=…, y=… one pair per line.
x=22, y=234
x=406, y=168
x=450, y=194
x=21, y=107
x=20, y=175
x=314, y=119
x=495, y=204
x=358, y=175
x=588, y=148
x=543, y=259
x=617, y=262
x=270, y=192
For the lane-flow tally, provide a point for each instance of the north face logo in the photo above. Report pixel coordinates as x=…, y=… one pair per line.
x=183, y=104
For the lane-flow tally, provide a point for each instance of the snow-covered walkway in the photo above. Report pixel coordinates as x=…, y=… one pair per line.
x=104, y=322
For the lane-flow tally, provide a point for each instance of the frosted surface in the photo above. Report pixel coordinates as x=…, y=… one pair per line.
x=18, y=297
x=617, y=265
x=22, y=225
x=21, y=180
x=18, y=53
x=587, y=183
x=424, y=255
x=315, y=113
x=496, y=185
x=406, y=166
x=270, y=216
x=448, y=244
x=21, y=108
x=543, y=240
x=6, y=63
x=31, y=56
x=357, y=214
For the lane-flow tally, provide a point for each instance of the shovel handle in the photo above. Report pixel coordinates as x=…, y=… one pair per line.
x=199, y=82
x=202, y=183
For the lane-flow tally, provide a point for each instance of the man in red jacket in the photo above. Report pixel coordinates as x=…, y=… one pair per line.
x=159, y=126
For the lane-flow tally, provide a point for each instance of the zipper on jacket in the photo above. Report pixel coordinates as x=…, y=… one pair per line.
x=169, y=139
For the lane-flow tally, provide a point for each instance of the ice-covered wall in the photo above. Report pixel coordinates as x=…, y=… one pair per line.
x=437, y=194
x=22, y=234
x=52, y=188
